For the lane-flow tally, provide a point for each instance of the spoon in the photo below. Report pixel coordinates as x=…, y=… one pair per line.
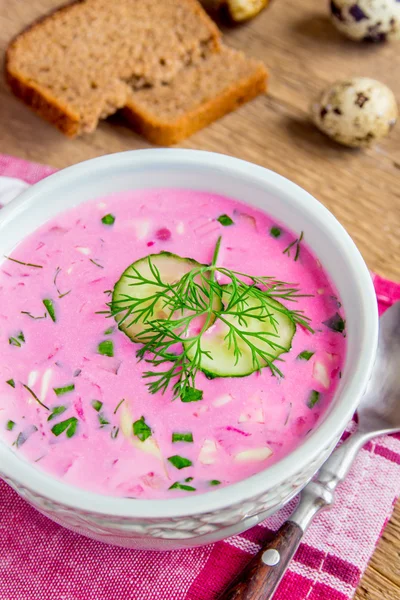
x=378, y=414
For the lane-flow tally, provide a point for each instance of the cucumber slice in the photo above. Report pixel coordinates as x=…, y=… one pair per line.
x=171, y=268
x=219, y=359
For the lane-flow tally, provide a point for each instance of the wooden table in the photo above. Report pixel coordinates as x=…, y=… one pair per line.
x=304, y=54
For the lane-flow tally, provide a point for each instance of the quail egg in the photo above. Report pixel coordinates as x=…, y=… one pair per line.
x=356, y=112
x=367, y=20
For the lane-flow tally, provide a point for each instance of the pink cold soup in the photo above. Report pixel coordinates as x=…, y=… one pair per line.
x=73, y=397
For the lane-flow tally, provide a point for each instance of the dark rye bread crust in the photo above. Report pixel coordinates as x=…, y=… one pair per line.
x=52, y=108
x=43, y=104
x=69, y=121
x=166, y=132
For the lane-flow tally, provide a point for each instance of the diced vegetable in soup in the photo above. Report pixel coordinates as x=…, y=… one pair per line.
x=162, y=343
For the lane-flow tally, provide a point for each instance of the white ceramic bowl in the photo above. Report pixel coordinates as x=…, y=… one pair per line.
x=175, y=523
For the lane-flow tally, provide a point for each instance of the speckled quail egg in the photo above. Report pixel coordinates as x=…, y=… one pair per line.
x=356, y=112
x=367, y=20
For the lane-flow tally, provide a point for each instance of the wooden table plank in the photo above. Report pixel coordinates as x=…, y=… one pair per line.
x=304, y=53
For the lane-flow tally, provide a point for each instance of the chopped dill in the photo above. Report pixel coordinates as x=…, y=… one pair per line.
x=295, y=243
x=60, y=294
x=19, y=262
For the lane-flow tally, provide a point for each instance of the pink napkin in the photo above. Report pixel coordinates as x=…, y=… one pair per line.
x=40, y=560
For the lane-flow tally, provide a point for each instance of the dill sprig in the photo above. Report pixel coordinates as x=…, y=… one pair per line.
x=190, y=306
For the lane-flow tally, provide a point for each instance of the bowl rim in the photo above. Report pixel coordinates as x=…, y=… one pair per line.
x=21, y=473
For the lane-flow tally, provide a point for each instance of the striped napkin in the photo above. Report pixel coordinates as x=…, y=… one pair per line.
x=40, y=560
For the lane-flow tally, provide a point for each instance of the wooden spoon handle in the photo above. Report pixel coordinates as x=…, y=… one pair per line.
x=260, y=578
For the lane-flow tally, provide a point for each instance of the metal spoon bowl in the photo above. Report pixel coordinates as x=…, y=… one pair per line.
x=378, y=414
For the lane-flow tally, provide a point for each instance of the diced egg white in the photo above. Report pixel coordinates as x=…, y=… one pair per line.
x=180, y=228
x=149, y=446
x=85, y=251
x=45, y=383
x=153, y=481
x=126, y=422
x=254, y=412
x=142, y=227
x=320, y=374
x=255, y=415
x=222, y=400
x=32, y=378
x=248, y=219
x=199, y=411
x=208, y=452
x=256, y=454
x=102, y=205
x=206, y=228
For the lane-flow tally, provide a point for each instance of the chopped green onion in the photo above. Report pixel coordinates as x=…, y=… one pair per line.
x=106, y=348
x=188, y=479
x=10, y=425
x=69, y=426
x=102, y=420
x=275, y=232
x=141, y=429
x=109, y=331
x=215, y=482
x=182, y=437
x=57, y=410
x=118, y=405
x=11, y=382
x=191, y=394
x=114, y=432
x=225, y=220
x=24, y=435
x=108, y=219
x=17, y=341
x=180, y=462
x=97, y=405
x=313, y=399
x=49, y=306
x=182, y=486
x=335, y=323
x=64, y=390
x=305, y=355
x=21, y=439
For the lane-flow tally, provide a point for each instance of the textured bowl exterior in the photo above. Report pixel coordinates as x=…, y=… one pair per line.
x=204, y=518
x=175, y=532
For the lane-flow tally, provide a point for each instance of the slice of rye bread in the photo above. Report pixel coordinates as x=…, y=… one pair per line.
x=160, y=60
x=80, y=63
x=198, y=95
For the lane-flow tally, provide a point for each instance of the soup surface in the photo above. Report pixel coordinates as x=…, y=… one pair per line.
x=73, y=396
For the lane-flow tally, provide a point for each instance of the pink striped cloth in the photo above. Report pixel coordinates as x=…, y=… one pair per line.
x=40, y=560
